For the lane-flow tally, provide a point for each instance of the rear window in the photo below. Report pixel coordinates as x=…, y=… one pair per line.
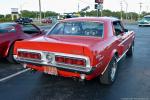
x=95, y=29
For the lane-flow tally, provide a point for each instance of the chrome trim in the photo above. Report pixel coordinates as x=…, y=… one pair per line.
x=99, y=64
x=44, y=61
x=122, y=55
x=124, y=40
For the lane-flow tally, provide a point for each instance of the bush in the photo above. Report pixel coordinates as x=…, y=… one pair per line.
x=5, y=20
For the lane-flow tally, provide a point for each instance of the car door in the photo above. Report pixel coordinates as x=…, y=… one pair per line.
x=7, y=35
x=121, y=37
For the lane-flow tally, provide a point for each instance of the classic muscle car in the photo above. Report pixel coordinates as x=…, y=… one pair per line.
x=12, y=32
x=84, y=48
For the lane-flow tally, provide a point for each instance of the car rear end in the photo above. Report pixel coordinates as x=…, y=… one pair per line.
x=67, y=50
x=55, y=60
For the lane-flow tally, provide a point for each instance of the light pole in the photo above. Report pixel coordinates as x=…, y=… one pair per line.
x=40, y=10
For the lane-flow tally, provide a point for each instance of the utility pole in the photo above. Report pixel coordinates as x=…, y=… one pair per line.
x=126, y=9
x=121, y=10
x=40, y=11
x=140, y=9
x=78, y=7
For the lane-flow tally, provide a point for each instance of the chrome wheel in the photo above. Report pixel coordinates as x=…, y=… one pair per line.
x=113, y=71
x=110, y=74
x=131, y=50
x=132, y=47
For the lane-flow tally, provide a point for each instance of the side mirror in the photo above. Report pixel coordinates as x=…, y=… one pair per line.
x=122, y=33
x=126, y=30
x=42, y=31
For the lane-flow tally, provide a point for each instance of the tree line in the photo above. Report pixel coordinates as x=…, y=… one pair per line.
x=35, y=14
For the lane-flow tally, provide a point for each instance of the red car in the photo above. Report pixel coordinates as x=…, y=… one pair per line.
x=47, y=20
x=84, y=48
x=12, y=32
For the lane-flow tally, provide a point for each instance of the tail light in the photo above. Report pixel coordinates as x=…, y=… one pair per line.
x=70, y=61
x=29, y=55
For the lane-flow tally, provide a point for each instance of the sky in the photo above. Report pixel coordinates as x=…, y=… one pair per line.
x=61, y=6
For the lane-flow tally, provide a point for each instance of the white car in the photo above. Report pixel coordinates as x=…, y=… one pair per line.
x=145, y=21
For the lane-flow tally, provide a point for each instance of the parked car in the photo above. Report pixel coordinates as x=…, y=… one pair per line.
x=12, y=32
x=84, y=48
x=24, y=20
x=144, y=21
x=47, y=20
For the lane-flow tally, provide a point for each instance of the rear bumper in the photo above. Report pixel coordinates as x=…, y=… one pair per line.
x=74, y=69
x=40, y=67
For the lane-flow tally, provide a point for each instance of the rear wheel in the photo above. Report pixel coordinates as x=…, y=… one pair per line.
x=131, y=50
x=140, y=25
x=10, y=57
x=110, y=74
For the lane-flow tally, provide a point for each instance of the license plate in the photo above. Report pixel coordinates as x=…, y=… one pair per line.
x=50, y=70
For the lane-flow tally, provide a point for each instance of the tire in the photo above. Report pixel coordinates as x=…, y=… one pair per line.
x=130, y=51
x=10, y=57
x=110, y=74
x=140, y=25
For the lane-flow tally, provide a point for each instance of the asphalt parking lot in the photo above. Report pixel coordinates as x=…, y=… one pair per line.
x=133, y=81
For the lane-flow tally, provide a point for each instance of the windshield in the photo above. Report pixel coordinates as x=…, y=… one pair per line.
x=5, y=25
x=6, y=28
x=146, y=18
x=78, y=29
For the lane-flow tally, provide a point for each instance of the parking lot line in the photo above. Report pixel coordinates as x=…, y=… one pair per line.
x=13, y=75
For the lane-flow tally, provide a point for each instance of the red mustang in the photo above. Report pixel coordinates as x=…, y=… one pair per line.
x=79, y=47
x=12, y=32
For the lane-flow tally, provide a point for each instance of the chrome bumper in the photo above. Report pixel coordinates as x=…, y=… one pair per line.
x=87, y=69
